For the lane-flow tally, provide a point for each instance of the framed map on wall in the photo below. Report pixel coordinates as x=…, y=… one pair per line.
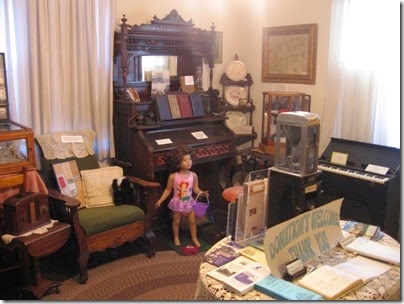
x=289, y=54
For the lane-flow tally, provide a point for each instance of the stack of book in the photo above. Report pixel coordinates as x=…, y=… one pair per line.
x=176, y=106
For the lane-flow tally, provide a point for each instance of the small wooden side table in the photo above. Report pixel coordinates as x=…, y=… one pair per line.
x=38, y=246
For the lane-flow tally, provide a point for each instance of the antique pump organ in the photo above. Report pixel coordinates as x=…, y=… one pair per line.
x=144, y=129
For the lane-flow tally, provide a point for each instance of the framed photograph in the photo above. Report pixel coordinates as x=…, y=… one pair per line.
x=218, y=47
x=289, y=54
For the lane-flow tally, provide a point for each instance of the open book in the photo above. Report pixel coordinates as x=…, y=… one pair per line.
x=333, y=282
x=330, y=282
x=372, y=249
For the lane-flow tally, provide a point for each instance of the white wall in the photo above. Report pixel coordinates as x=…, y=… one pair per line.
x=242, y=22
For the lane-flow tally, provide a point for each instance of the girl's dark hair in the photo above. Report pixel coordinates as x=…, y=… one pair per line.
x=174, y=157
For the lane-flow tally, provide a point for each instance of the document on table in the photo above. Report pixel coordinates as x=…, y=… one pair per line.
x=375, y=250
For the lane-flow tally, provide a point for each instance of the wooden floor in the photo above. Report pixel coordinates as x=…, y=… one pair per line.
x=61, y=265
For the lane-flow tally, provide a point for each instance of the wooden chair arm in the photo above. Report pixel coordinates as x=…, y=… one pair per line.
x=66, y=209
x=143, y=183
x=69, y=202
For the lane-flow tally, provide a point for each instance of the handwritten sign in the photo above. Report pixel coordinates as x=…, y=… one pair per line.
x=304, y=237
x=71, y=139
x=164, y=141
x=199, y=135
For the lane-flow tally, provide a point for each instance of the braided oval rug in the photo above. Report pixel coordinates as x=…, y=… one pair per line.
x=168, y=276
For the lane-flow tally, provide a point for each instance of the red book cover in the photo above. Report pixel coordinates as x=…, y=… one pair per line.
x=185, y=105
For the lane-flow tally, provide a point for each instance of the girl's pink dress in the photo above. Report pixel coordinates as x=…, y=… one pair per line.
x=182, y=200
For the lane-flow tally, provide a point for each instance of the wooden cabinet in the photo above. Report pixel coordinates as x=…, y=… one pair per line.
x=274, y=103
x=171, y=36
x=16, y=148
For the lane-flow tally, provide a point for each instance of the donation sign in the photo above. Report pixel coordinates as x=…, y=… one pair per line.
x=303, y=237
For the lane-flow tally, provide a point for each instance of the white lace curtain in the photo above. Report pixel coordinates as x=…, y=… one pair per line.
x=59, y=60
x=363, y=85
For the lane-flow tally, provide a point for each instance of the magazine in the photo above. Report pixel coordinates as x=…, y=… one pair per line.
x=254, y=254
x=243, y=281
x=223, y=254
x=362, y=229
x=284, y=290
x=230, y=268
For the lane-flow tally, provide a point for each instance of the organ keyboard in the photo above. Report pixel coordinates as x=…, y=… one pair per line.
x=146, y=147
x=369, y=197
x=351, y=172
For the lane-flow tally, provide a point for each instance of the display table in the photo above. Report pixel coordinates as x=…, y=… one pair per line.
x=384, y=287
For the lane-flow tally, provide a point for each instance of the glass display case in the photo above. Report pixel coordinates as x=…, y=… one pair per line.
x=16, y=147
x=297, y=138
x=273, y=104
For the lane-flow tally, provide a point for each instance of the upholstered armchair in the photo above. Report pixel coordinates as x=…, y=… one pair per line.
x=85, y=197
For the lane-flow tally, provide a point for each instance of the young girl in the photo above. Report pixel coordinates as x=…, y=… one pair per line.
x=183, y=183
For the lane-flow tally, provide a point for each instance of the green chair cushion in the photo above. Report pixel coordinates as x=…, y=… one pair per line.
x=100, y=219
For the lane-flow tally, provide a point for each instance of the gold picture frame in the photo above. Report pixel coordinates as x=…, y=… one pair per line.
x=289, y=54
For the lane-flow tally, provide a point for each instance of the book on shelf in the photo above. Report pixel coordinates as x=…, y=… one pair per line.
x=254, y=254
x=185, y=105
x=330, y=282
x=196, y=104
x=224, y=253
x=163, y=108
x=244, y=280
x=283, y=290
x=372, y=249
x=230, y=268
x=174, y=106
x=361, y=229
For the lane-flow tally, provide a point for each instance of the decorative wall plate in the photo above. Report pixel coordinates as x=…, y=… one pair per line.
x=236, y=70
x=232, y=94
x=235, y=119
